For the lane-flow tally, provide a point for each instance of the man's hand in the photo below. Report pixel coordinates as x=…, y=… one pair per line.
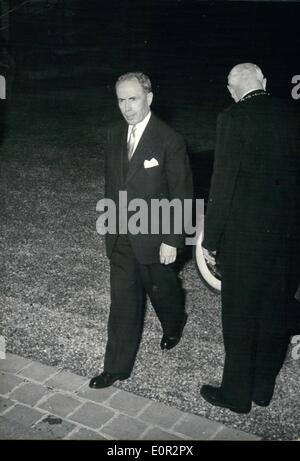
x=167, y=254
x=210, y=256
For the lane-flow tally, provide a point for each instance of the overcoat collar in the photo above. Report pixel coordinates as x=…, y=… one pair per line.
x=253, y=93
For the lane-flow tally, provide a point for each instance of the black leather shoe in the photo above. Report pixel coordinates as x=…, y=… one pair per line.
x=168, y=342
x=106, y=379
x=213, y=395
x=262, y=403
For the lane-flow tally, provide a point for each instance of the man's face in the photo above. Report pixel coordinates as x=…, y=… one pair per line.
x=133, y=102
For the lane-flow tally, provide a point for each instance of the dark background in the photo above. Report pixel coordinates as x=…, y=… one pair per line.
x=187, y=47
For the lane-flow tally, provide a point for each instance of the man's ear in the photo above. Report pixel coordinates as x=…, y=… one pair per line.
x=264, y=83
x=149, y=98
x=232, y=92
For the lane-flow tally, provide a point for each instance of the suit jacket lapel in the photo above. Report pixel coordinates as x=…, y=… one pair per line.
x=142, y=151
x=120, y=147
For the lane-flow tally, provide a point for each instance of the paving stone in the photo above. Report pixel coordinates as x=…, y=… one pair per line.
x=60, y=404
x=53, y=427
x=38, y=372
x=66, y=381
x=30, y=393
x=196, y=427
x=20, y=422
x=128, y=403
x=156, y=433
x=5, y=404
x=227, y=433
x=124, y=428
x=85, y=434
x=96, y=395
x=23, y=415
x=8, y=382
x=13, y=363
x=92, y=415
x=12, y=430
x=161, y=415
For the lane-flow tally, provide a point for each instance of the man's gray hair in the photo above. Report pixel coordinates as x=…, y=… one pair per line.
x=143, y=80
x=247, y=70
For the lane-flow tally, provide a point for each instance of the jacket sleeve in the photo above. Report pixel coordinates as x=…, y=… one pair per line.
x=225, y=172
x=180, y=186
x=106, y=158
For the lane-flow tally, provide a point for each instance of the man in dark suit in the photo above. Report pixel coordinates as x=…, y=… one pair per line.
x=252, y=227
x=147, y=160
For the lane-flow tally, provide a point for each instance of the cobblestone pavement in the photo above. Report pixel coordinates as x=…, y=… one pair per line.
x=44, y=402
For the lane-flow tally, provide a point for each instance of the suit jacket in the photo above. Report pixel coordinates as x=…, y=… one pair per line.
x=170, y=179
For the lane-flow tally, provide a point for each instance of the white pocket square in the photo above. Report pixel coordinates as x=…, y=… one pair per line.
x=150, y=163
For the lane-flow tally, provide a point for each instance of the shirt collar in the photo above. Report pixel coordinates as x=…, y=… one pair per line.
x=141, y=125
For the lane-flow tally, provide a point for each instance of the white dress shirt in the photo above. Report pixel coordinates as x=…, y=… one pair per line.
x=140, y=128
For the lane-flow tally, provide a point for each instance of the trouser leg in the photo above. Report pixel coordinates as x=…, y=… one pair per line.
x=127, y=310
x=240, y=337
x=253, y=316
x=253, y=358
x=270, y=354
x=166, y=294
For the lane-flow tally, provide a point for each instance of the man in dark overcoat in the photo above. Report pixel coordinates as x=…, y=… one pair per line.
x=252, y=227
